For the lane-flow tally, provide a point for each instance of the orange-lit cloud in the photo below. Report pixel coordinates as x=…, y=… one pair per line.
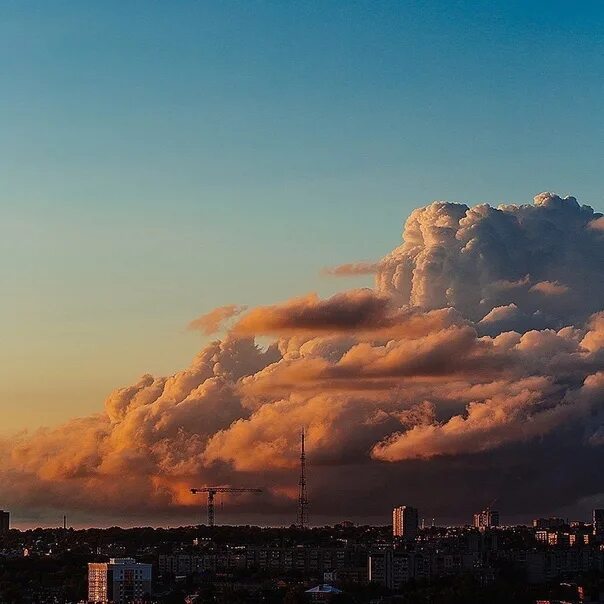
x=549, y=288
x=352, y=269
x=211, y=322
x=361, y=311
x=481, y=348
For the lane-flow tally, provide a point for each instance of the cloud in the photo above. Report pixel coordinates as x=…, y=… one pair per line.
x=352, y=269
x=511, y=318
x=594, y=338
x=484, y=425
x=549, y=288
x=211, y=322
x=356, y=311
x=476, y=364
x=597, y=224
x=477, y=259
x=500, y=314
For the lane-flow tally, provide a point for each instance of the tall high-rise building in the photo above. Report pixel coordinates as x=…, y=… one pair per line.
x=405, y=521
x=119, y=581
x=4, y=522
x=486, y=519
x=598, y=522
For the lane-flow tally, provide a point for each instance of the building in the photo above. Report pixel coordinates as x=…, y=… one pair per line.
x=392, y=568
x=119, y=581
x=312, y=560
x=184, y=564
x=486, y=519
x=553, y=537
x=405, y=521
x=4, y=522
x=598, y=523
x=548, y=523
x=384, y=570
x=552, y=564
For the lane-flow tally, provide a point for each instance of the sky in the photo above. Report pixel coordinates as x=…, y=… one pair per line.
x=160, y=159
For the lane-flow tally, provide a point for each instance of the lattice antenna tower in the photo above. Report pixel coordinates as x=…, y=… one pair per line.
x=302, y=498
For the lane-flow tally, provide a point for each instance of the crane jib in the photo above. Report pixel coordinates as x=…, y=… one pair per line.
x=212, y=491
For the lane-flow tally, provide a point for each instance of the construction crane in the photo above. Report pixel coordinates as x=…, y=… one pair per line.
x=211, y=491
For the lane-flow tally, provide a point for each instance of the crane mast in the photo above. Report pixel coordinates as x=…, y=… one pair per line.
x=212, y=491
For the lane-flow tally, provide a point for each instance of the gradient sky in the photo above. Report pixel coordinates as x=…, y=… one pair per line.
x=159, y=159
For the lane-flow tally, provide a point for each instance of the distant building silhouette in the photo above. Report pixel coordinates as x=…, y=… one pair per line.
x=4, y=522
x=486, y=519
x=548, y=523
x=598, y=522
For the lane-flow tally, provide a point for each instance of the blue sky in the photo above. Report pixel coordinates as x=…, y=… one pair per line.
x=161, y=158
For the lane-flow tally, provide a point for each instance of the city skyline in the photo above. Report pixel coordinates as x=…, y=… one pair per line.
x=483, y=564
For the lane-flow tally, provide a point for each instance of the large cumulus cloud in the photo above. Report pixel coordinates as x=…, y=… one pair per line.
x=476, y=365
x=545, y=258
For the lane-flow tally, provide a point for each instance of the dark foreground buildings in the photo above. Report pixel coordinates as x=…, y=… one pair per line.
x=552, y=560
